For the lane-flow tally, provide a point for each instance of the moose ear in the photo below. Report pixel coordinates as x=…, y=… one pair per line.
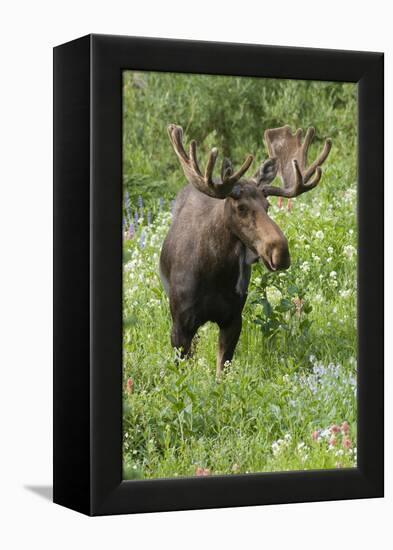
x=236, y=192
x=267, y=172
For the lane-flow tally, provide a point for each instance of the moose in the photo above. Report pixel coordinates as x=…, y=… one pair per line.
x=221, y=226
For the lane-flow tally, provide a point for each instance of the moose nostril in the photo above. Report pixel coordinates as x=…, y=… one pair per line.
x=280, y=258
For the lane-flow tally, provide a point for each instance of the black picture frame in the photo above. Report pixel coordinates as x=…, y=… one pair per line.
x=88, y=274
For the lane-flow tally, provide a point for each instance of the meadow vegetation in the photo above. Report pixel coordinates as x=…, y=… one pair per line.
x=288, y=400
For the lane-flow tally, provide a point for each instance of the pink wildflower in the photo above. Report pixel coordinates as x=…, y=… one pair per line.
x=345, y=427
x=202, y=471
x=315, y=435
x=335, y=429
x=130, y=386
x=333, y=441
x=347, y=443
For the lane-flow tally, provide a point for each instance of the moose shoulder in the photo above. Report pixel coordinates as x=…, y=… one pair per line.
x=220, y=227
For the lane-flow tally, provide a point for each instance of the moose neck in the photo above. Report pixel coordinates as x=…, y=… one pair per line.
x=227, y=248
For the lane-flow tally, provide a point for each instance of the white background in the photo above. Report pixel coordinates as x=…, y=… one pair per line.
x=29, y=30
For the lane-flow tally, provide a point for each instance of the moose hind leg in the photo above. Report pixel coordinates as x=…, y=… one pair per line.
x=228, y=338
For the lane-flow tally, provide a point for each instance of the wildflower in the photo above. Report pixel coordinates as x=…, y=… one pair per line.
x=333, y=274
x=319, y=235
x=345, y=427
x=202, y=471
x=334, y=429
x=275, y=448
x=235, y=468
x=347, y=443
x=315, y=435
x=330, y=250
x=305, y=266
x=136, y=217
x=130, y=386
x=349, y=251
x=131, y=231
x=273, y=295
x=148, y=217
x=299, y=303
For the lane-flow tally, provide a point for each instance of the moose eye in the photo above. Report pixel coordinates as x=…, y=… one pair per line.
x=242, y=209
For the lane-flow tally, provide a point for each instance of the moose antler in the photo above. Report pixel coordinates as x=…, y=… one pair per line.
x=205, y=183
x=291, y=154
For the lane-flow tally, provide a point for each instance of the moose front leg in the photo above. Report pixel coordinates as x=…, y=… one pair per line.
x=181, y=339
x=228, y=338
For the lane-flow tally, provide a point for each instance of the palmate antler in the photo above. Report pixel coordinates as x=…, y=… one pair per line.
x=291, y=155
x=205, y=183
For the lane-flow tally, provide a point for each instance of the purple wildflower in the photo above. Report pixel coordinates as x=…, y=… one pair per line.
x=136, y=217
x=131, y=231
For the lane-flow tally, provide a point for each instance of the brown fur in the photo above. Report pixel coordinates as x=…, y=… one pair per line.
x=205, y=261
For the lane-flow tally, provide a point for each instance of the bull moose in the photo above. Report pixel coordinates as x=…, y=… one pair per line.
x=221, y=226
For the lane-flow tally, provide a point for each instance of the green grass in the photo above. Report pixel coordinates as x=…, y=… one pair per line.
x=294, y=370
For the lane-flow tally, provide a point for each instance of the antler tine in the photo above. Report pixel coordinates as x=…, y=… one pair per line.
x=204, y=183
x=176, y=137
x=193, y=157
x=319, y=160
x=292, y=158
x=242, y=170
x=211, y=162
x=307, y=140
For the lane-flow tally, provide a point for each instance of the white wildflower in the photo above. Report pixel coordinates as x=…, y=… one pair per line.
x=349, y=251
x=305, y=266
